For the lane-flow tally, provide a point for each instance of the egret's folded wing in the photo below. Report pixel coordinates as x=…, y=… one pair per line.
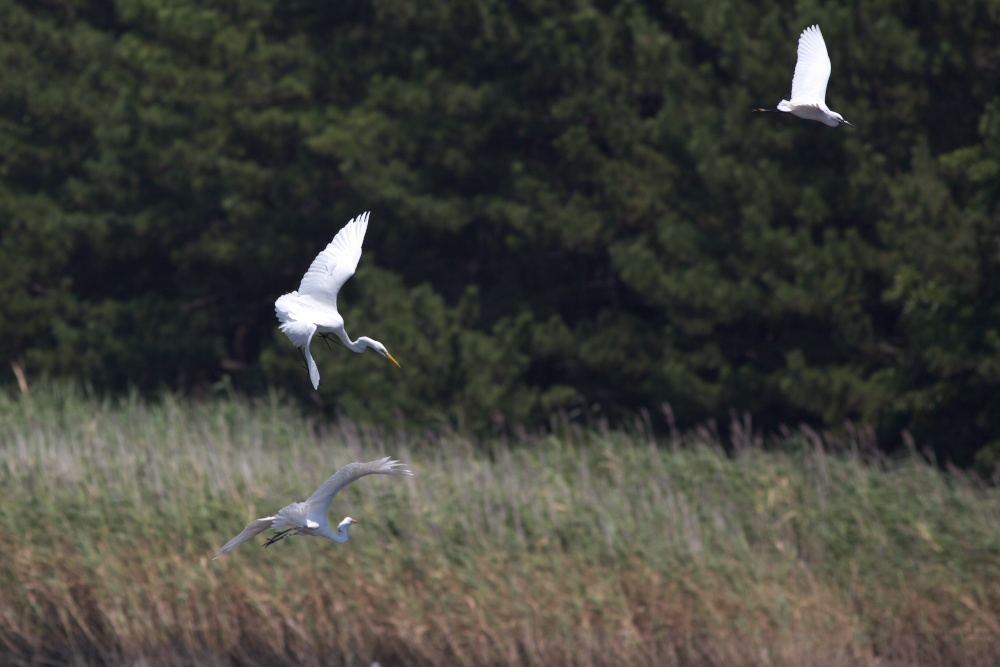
x=320, y=500
x=812, y=70
x=332, y=267
x=253, y=529
x=299, y=332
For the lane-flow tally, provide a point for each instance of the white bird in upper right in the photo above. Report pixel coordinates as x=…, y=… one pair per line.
x=312, y=308
x=812, y=72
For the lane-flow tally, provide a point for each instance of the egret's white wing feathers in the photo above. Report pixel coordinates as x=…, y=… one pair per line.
x=319, y=501
x=812, y=73
x=338, y=261
x=298, y=331
x=253, y=529
x=312, y=308
x=309, y=517
x=301, y=334
x=812, y=70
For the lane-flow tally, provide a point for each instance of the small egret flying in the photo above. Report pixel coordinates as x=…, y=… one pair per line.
x=309, y=518
x=812, y=72
x=313, y=307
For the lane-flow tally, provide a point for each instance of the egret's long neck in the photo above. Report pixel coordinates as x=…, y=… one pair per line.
x=340, y=535
x=359, y=345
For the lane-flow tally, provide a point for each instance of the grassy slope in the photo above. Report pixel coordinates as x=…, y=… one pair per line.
x=586, y=548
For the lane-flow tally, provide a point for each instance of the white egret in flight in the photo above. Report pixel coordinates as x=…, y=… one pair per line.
x=812, y=72
x=309, y=517
x=313, y=307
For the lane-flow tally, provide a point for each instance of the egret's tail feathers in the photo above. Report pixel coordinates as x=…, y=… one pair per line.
x=283, y=305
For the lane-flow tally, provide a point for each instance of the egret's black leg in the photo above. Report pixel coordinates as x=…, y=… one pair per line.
x=277, y=537
x=327, y=336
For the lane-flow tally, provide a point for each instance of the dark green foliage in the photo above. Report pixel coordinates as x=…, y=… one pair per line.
x=572, y=206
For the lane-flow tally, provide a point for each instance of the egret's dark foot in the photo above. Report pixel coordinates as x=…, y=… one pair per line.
x=328, y=336
x=277, y=537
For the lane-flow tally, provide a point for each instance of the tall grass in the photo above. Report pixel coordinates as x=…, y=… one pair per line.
x=586, y=547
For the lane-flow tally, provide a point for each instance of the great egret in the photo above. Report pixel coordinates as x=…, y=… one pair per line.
x=812, y=72
x=313, y=307
x=309, y=518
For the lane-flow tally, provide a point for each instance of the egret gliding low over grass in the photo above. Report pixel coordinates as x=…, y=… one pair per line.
x=313, y=307
x=812, y=73
x=309, y=517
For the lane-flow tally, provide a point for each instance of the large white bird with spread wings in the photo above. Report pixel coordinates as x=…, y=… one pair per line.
x=309, y=517
x=312, y=308
x=812, y=72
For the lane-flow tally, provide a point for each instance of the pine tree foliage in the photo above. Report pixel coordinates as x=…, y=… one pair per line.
x=573, y=208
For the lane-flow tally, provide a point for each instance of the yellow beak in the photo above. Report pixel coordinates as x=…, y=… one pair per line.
x=355, y=521
x=391, y=359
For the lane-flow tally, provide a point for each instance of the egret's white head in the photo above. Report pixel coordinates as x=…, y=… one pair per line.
x=840, y=118
x=346, y=522
x=380, y=348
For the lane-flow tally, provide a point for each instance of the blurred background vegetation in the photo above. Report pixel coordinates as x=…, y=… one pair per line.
x=572, y=207
x=574, y=547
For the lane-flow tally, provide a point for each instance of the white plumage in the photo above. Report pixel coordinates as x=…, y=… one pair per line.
x=812, y=73
x=312, y=308
x=309, y=517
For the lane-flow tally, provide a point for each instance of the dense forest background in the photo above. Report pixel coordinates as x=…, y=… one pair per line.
x=573, y=208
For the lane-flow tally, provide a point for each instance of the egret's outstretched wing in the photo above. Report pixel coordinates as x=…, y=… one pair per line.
x=319, y=502
x=812, y=70
x=253, y=529
x=332, y=267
